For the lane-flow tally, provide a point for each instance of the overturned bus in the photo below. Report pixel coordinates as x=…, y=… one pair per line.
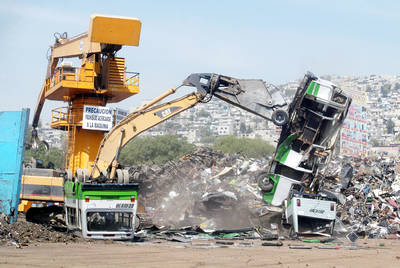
x=305, y=146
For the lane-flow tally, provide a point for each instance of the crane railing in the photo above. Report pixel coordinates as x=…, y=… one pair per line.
x=133, y=80
x=68, y=74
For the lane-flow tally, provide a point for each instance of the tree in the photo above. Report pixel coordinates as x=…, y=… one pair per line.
x=207, y=140
x=244, y=146
x=368, y=88
x=146, y=150
x=54, y=158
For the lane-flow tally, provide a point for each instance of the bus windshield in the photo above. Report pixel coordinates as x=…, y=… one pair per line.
x=109, y=221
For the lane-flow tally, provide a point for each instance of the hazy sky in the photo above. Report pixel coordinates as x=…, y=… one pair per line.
x=277, y=41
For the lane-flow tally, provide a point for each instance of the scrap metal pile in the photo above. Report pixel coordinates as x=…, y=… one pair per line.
x=368, y=194
x=23, y=233
x=217, y=191
x=205, y=188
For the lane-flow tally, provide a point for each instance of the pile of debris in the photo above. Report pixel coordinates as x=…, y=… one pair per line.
x=23, y=233
x=217, y=191
x=206, y=188
x=368, y=194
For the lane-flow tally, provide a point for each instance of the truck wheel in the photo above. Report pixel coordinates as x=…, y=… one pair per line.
x=120, y=176
x=264, y=182
x=137, y=223
x=280, y=117
x=292, y=233
x=332, y=227
x=125, y=175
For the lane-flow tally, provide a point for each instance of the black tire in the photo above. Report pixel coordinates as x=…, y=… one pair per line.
x=332, y=227
x=264, y=182
x=280, y=117
x=292, y=233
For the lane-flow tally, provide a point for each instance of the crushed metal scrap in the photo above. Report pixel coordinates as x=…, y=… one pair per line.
x=368, y=195
x=206, y=188
x=208, y=195
x=24, y=233
x=215, y=191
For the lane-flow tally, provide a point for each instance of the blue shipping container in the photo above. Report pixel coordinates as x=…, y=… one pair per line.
x=13, y=128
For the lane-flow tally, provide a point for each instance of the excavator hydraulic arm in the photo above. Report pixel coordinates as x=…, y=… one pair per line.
x=252, y=95
x=135, y=123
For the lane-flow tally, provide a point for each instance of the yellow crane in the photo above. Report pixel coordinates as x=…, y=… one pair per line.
x=100, y=79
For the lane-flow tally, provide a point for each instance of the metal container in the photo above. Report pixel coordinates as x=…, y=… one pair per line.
x=13, y=128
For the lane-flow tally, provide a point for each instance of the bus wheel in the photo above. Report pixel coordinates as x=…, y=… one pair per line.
x=280, y=117
x=264, y=182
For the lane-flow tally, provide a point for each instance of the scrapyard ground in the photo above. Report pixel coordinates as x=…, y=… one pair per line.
x=367, y=253
x=33, y=245
x=216, y=192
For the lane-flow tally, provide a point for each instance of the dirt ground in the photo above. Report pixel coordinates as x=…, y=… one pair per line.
x=365, y=253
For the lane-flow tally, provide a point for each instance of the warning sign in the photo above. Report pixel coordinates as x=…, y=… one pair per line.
x=120, y=114
x=97, y=118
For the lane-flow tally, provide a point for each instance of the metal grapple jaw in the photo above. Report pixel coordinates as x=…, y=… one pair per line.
x=253, y=95
x=36, y=142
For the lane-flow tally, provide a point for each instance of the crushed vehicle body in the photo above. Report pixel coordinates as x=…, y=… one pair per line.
x=306, y=143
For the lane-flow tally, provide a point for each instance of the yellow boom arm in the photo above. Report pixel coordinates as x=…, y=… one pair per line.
x=135, y=123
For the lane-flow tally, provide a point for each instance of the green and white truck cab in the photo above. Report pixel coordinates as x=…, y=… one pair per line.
x=101, y=210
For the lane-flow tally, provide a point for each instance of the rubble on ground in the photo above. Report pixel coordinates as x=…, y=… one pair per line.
x=24, y=233
x=206, y=188
x=211, y=195
x=368, y=195
x=217, y=191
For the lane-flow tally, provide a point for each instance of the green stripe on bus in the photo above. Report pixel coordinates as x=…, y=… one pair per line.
x=284, y=148
x=74, y=190
x=310, y=88
x=117, y=195
x=316, y=90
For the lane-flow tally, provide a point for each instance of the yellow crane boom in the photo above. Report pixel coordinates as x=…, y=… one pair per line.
x=253, y=95
x=135, y=123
